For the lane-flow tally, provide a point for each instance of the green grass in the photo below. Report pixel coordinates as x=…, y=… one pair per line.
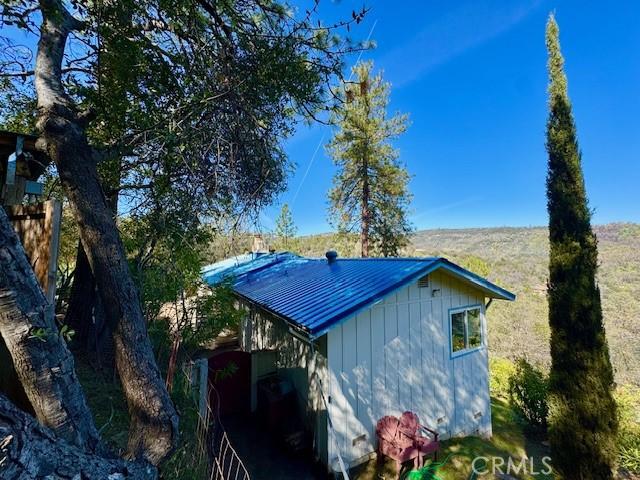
x=106, y=401
x=509, y=440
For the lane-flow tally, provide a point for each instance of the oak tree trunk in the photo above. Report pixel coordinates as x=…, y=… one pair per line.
x=85, y=315
x=40, y=356
x=154, y=421
x=29, y=450
x=81, y=301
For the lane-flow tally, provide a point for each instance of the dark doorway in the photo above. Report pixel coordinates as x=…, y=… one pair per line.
x=230, y=373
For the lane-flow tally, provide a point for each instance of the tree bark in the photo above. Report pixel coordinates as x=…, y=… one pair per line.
x=85, y=315
x=81, y=301
x=40, y=357
x=154, y=421
x=28, y=450
x=366, y=213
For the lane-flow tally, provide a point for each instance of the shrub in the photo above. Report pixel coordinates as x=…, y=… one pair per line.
x=628, y=400
x=501, y=371
x=476, y=264
x=528, y=392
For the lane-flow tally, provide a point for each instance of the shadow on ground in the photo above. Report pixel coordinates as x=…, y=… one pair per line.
x=264, y=456
x=457, y=454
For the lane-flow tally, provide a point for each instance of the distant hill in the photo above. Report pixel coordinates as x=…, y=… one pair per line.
x=517, y=259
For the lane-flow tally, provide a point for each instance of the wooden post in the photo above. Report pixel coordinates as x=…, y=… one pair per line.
x=53, y=218
x=203, y=386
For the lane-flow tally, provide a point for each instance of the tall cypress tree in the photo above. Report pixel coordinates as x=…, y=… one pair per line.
x=583, y=421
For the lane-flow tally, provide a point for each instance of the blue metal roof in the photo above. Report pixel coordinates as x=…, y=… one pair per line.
x=239, y=265
x=315, y=295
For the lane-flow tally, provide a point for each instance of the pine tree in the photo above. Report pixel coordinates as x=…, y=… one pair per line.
x=370, y=190
x=285, y=228
x=583, y=420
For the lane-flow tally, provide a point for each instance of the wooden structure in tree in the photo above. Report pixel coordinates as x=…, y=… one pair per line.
x=38, y=227
x=37, y=223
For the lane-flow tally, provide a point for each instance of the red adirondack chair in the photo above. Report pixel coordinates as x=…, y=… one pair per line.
x=405, y=439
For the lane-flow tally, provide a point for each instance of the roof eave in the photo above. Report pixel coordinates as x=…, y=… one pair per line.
x=490, y=289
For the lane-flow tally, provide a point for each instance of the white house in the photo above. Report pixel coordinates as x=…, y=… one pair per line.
x=372, y=336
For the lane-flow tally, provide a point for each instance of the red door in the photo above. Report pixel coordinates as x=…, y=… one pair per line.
x=230, y=372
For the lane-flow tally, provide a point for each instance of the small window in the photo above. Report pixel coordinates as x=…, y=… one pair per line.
x=423, y=282
x=466, y=329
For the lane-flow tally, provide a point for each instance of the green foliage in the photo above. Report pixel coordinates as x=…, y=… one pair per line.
x=583, y=421
x=189, y=461
x=17, y=109
x=528, y=393
x=191, y=99
x=216, y=310
x=500, y=372
x=166, y=259
x=628, y=401
x=67, y=333
x=476, y=264
x=285, y=229
x=370, y=191
x=346, y=244
x=225, y=372
x=39, y=334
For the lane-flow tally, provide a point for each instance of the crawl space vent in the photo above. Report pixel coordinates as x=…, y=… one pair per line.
x=423, y=282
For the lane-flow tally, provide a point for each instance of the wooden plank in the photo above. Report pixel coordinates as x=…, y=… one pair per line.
x=363, y=349
x=428, y=343
x=350, y=384
x=377, y=362
x=336, y=398
x=364, y=383
x=38, y=227
x=390, y=356
x=416, y=376
x=14, y=193
x=53, y=219
x=390, y=322
x=404, y=355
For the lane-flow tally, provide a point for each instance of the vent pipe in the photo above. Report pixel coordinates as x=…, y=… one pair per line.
x=332, y=256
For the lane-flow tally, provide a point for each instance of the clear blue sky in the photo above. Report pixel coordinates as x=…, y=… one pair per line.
x=472, y=76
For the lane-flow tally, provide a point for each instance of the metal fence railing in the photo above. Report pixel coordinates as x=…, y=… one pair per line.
x=225, y=464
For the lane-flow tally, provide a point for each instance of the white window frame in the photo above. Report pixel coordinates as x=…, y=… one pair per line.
x=467, y=350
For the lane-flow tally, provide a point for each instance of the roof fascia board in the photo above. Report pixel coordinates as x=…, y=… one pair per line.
x=492, y=289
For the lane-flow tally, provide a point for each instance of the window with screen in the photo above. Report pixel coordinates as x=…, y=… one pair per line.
x=466, y=329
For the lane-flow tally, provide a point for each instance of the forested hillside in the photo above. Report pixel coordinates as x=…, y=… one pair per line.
x=517, y=259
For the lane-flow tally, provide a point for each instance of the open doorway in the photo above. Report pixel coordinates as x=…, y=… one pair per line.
x=230, y=373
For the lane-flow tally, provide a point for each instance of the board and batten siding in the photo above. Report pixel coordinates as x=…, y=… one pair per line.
x=396, y=356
